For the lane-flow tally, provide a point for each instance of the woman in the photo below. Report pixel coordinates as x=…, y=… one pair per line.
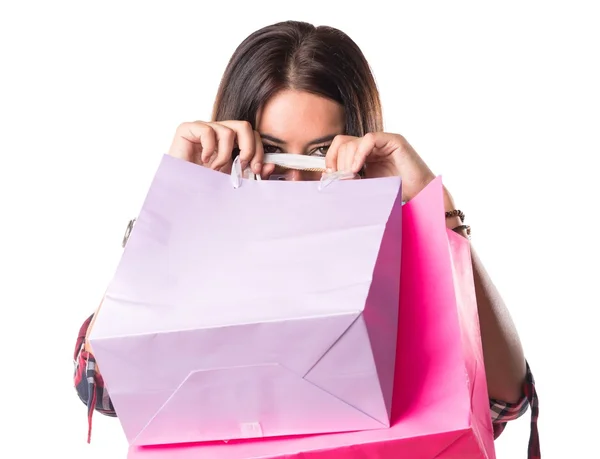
x=294, y=88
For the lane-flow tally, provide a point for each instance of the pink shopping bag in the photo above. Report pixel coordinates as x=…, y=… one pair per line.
x=440, y=401
x=261, y=310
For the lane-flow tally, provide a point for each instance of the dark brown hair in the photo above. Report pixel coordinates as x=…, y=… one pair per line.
x=297, y=55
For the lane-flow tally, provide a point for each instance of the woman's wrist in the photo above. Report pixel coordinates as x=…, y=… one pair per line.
x=449, y=206
x=455, y=218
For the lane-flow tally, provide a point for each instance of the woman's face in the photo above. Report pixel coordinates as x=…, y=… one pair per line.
x=299, y=122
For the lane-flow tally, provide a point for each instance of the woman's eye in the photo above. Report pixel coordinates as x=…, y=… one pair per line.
x=320, y=151
x=271, y=149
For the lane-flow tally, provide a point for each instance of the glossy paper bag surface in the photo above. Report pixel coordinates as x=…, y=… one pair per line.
x=440, y=402
x=260, y=311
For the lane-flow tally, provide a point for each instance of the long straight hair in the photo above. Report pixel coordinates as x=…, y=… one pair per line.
x=299, y=56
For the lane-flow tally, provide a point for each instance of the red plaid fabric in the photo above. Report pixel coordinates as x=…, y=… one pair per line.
x=92, y=392
x=503, y=412
x=88, y=382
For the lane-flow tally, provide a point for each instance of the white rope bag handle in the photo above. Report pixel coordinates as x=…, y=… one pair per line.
x=289, y=161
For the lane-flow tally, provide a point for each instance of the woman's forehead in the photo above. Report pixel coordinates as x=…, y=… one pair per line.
x=300, y=116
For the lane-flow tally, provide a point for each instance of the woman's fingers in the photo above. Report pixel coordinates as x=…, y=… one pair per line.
x=346, y=156
x=226, y=141
x=259, y=154
x=364, y=148
x=192, y=142
x=348, y=153
x=267, y=170
x=332, y=158
x=212, y=144
x=243, y=138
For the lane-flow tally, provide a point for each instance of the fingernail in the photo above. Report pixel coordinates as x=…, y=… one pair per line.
x=329, y=170
x=243, y=164
x=258, y=168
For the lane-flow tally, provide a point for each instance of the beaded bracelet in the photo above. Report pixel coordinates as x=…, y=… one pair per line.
x=456, y=213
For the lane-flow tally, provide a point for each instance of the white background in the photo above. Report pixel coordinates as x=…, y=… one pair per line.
x=500, y=99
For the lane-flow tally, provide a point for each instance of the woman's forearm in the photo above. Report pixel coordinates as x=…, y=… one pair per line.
x=502, y=351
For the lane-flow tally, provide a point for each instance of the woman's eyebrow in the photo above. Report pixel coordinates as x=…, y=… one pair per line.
x=326, y=138
x=271, y=138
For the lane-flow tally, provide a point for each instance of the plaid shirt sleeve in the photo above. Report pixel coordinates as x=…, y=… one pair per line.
x=502, y=412
x=88, y=382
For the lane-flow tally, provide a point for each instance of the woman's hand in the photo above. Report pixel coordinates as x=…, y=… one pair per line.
x=211, y=145
x=382, y=155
